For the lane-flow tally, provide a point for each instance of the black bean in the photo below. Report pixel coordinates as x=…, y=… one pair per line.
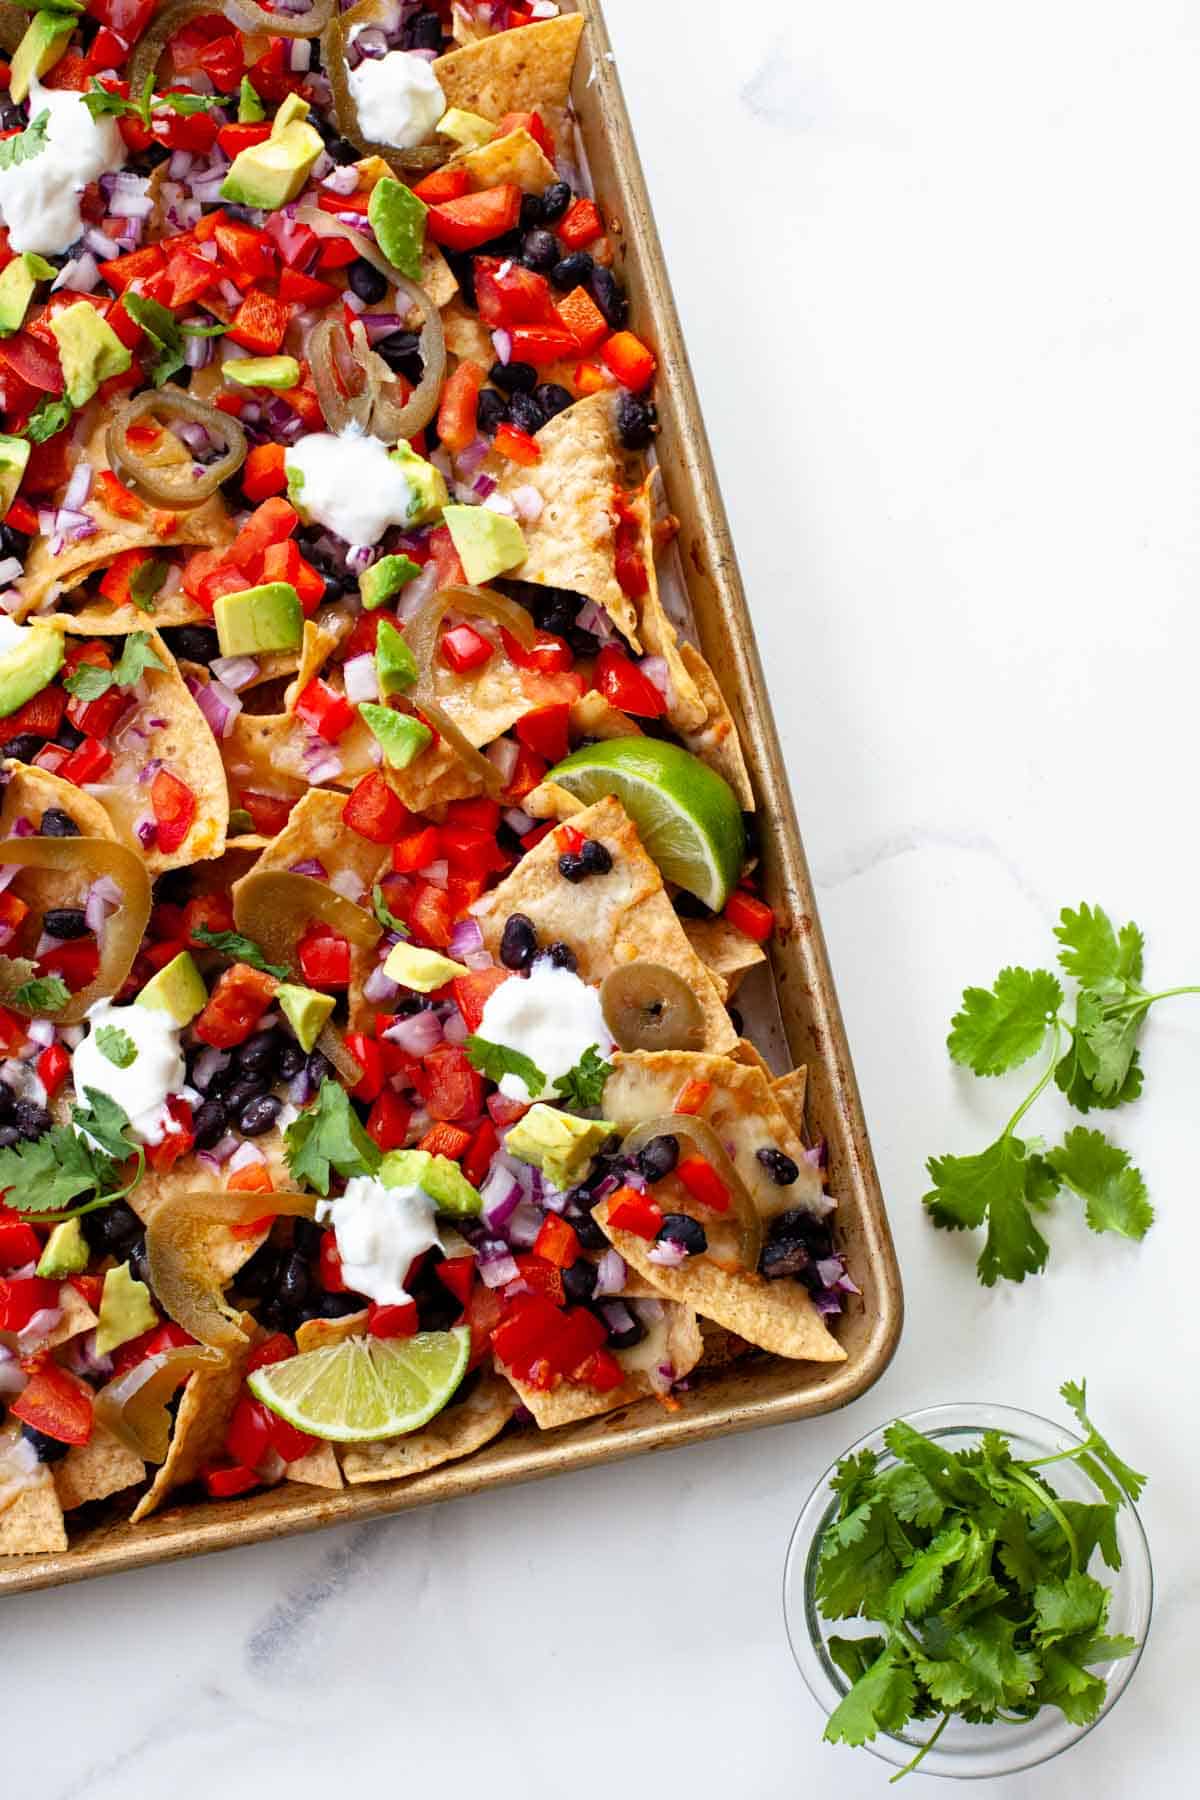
x=797, y=1226
x=531, y=211
x=24, y=747
x=579, y=1281
x=552, y=399
x=260, y=1053
x=31, y=1120
x=596, y=857
x=208, y=1123
x=341, y=149
x=573, y=868
x=319, y=1068
x=690, y=906
x=573, y=271
x=514, y=377
x=111, y=1230
x=195, y=643
x=65, y=922
x=245, y=1089
x=13, y=542
x=609, y=296
x=340, y=1306
x=752, y=832
x=540, y=250
x=307, y=1235
x=624, y=1336
x=422, y=33
x=9, y=1135
x=57, y=823
x=555, y=201
x=556, y=610
x=637, y=421
x=507, y=247
x=260, y=1275
x=46, y=1449
x=518, y=944
x=69, y=737
x=462, y=267
x=294, y=1280
x=680, y=1228
x=526, y=414
x=259, y=1115
x=291, y=1060
x=562, y=956
x=786, y=1257
x=139, y=1265
x=437, y=1311
x=401, y=351
x=491, y=413
x=366, y=281
x=782, y=1170
x=590, y=1235
x=656, y=1159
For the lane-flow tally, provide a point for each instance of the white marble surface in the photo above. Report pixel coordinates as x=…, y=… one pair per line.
x=964, y=476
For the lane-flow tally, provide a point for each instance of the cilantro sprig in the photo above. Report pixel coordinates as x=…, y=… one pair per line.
x=329, y=1139
x=117, y=1046
x=26, y=144
x=166, y=333
x=583, y=1085
x=384, y=913
x=1092, y=1059
x=238, y=949
x=89, y=681
x=977, y=1572
x=498, y=1060
x=89, y=1157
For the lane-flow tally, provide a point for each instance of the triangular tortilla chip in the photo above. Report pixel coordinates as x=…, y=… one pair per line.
x=515, y=157
x=790, y=1091
x=725, y=951
x=572, y=542
x=716, y=741
x=315, y=832
x=316, y=1334
x=611, y=919
x=30, y=791
x=227, y=1252
x=94, y=1470
x=318, y=1469
x=592, y=716
x=464, y=1426
x=776, y=1315
x=33, y=1525
x=77, y=1317
x=209, y=1397
x=673, y=1342
x=466, y=337
x=268, y=753
x=659, y=638
x=527, y=70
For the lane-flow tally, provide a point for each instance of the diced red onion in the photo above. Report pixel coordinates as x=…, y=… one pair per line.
x=381, y=325
x=524, y=1226
x=528, y=502
x=465, y=937
x=503, y=754
x=209, y=1063
x=611, y=1274
x=73, y=524
x=220, y=706
x=617, y=1316
x=10, y=871
x=342, y=179
x=244, y=1156
x=503, y=345
x=11, y=569
x=321, y=763
x=370, y=41
x=309, y=865
x=361, y=678
x=99, y=244
x=498, y=1270
x=23, y=828
x=454, y=1029
x=130, y=199
x=655, y=669
x=79, y=488
x=417, y=1034
x=468, y=461
x=592, y=617
x=500, y=503
x=299, y=55
x=197, y=351
x=80, y=1356
x=146, y=832
x=11, y=599
x=380, y=988
x=235, y=671
x=79, y=276
x=418, y=590
x=668, y=1253
x=44, y=1322
x=518, y=821
x=501, y=1195
x=40, y=1031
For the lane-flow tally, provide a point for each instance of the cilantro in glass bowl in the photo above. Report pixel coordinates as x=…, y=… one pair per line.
x=968, y=1590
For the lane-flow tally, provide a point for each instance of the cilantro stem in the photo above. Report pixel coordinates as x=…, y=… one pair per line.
x=1168, y=994
x=1041, y=1087
x=923, y=1752
x=1019, y=1473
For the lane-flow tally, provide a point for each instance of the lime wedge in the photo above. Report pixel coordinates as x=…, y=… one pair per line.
x=366, y=1387
x=687, y=816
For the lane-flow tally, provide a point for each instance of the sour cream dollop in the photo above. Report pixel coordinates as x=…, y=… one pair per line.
x=39, y=199
x=157, y=1069
x=398, y=98
x=351, y=485
x=379, y=1232
x=552, y=1017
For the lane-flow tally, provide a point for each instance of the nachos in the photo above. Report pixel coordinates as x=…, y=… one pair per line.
x=377, y=871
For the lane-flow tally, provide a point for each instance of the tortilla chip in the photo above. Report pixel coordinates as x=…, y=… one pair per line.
x=592, y=716
x=743, y=1111
x=527, y=70
x=315, y=832
x=716, y=741
x=721, y=1347
x=515, y=157
x=315, y=1334
x=686, y=710
x=321, y=639
x=226, y=1251
x=550, y=801
x=790, y=1091
x=466, y=337
x=33, y=1525
x=29, y=792
x=776, y=1315
x=727, y=953
x=94, y=1470
x=613, y=920
x=201, y=526
x=572, y=543
x=675, y=1340
x=209, y=1397
x=267, y=753
x=464, y=1426
x=435, y=274
x=318, y=1469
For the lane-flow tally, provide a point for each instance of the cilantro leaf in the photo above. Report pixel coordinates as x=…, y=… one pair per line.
x=583, y=1085
x=162, y=329
x=1003, y=1026
x=1127, y=1479
x=146, y=581
x=1076, y=1071
x=104, y=103
x=914, y=1592
x=882, y=1699
x=238, y=949
x=383, y=913
x=89, y=681
x=84, y=1158
x=105, y=1123
x=497, y=1060
x=1096, y=955
x=1105, y=1179
x=47, y=420
x=1064, y=1608
x=1002, y=1184
x=329, y=1138
x=26, y=144
x=861, y=1556
x=42, y=994
x=117, y=1046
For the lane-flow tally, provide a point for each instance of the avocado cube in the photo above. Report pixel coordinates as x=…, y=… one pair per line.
x=269, y=617
x=305, y=1011
x=487, y=542
x=400, y=737
x=178, y=989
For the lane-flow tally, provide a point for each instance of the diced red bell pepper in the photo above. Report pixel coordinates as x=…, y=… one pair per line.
x=442, y=185
x=444, y=1139
x=545, y=731
x=213, y=912
x=329, y=1265
x=260, y=323
x=542, y=344
x=269, y=524
x=624, y=685
x=40, y=717
x=344, y=203
x=580, y=315
x=474, y=219
x=235, y=138
x=533, y=123
x=368, y=1056
x=224, y=1484
x=458, y=411
x=53, y=1067
x=480, y=811
x=184, y=279
x=463, y=649
x=582, y=1335
x=117, y=581
x=236, y=1004
x=751, y=915
x=528, y=772
x=248, y=1437
x=118, y=499
x=22, y=1297
x=601, y=1371
x=324, y=710
x=269, y=813
x=77, y=962
x=693, y=1097
x=174, y=806
x=32, y=361
x=12, y=1032
x=417, y=850
x=548, y=654
x=324, y=957
x=290, y=1443
x=482, y=1312
x=13, y=914
x=508, y=294
x=581, y=224
x=274, y=1349
x=478, y=1157
x=56, y=1403
x=630, y=1211
x=167, y=1336
x=19, y=1243
x=702, y=1182
x=449, y=1086
x=556, y=1242
x=249, y=255
x=525, y=1331
x=305, y=290
x=431, y=913
x=472, y=852
x=388, y=1119
x=457, y=1273
x=96, y=718
x=374, y=811
x=335, y=253
x=263, y=472
x=176, y=1144
x=517, y=446
x=283, y=562
x=542, y=1277
x=471, y=993
x=393, y=1321
x=629, y=360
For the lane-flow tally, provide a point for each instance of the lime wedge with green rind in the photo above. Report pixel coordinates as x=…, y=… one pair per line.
x=366, y=1387
x=686, y=814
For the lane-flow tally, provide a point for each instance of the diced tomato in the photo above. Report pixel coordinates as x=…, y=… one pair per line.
x=442, y=185
x=127, y=18
x=545, y=731
x=457, y=1273
x=525, y=1331
x=629, y=360
x=260, y=323
x=32, y=361
x=53, y=1067
x=463, y=649
x=23, y=1296
x=19, y=1243
x=393, y=1321
x=531, y=122
x=48, y=466
x=693, y=1097
x=290, y=1443
x=167, y=1336
x=444, y=557
x=235, y=138
x=248, y=1437
x=375, y=812
x=630, y=1211
x=251, y=1178
x=117, y=582
x=580, y=315
x=388, y=1119
x=508, y=294
x=431, y=914
x=269, y=813
x=344, y=203
x=40, y=717
x=367, y=1055
x=174, y=806
x=324, y=957
x=569, y=841
x=478, y=1157
x=582, y=1336
x=329, y=1265
x=270, y=523
x=263, y=472
x=457, y=413
x=581, y=224
x=557, y=1242
x=624, y=685
x=220, y=57
x=235, y=1006
x=213, y=912
x=449, y=1086
x=274, y=1349
x=77, y=962
x=481, y=812
x=177, y=1143
x=224, y=1484
x=482, y=1312
x=417, y=850
x=474, y=219
x=702, y=1182
x=542, y=1277
x=444, y=1139
x=541, y=344
x=55, y=1403
x=96, y=718
x=589, y=379
x=118, y=499
x=324, y=710
x=548, y=654
x=751, y=915
x=22, y=517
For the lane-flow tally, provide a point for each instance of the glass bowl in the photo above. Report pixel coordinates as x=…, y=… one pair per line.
x=968, y=1752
